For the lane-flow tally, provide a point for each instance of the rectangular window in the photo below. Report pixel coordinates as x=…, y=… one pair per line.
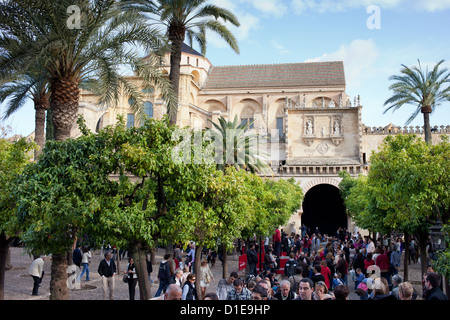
x=280, y=129
x=130, y=120
x=248, y=120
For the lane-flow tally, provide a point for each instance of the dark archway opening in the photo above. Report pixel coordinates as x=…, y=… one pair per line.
x=323, y=207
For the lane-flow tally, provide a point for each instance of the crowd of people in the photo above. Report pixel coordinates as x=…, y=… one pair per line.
x=317, y=267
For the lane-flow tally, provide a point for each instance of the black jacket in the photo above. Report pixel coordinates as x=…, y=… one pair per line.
x=105, y=270
x=436, y=294
x=192, y=293
x=252, y=257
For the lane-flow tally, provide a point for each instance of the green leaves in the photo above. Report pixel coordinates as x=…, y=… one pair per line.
x=124, y=185
x=407, y=184
x=14, y=155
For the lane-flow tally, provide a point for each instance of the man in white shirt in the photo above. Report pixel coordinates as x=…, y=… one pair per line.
x=37, y=272
x=370, y=246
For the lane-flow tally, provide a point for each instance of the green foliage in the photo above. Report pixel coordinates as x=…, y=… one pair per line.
x=13, y=158
x=58, y=195
x=191, y=19
x=236, y=146
x=407, y=186
x=128, y=185
x=41, y=40
x=420, y=88
x=442, y=263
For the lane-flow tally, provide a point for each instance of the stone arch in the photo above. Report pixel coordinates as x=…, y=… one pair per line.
x=315, y=182
x=275, y=114
x=196, y=77
x=213, y=104
x=251, y=110
x=326, y=102
x=323, y=207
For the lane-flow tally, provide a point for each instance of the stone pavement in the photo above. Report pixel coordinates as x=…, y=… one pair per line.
x=18, y=284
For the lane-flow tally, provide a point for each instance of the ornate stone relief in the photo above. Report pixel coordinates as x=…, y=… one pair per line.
x=309, y=131
x=322, y=148
x=320, y=127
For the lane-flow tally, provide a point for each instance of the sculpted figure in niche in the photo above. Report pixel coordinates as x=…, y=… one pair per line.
x=309, y=127
x=336, y=127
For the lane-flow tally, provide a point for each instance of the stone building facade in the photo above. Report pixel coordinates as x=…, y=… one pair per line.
x=304, y=105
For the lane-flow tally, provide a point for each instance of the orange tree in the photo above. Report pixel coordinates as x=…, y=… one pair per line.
x=14, y=155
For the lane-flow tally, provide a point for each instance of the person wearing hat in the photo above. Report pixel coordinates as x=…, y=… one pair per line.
x=206, y=277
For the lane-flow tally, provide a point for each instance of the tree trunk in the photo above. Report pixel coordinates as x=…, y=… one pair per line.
x=65, y=95
x=174, y=77
x=426, y=110
x=406, y=258
x=139, y=255
x=58, y=282
x=49, y=128
x=39, y=131
x=422, y=237
x=4, y=248
x=225, y=262
x=198, y=254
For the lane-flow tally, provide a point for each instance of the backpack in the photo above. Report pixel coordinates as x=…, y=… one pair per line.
x=164, y=271
x=289, y=268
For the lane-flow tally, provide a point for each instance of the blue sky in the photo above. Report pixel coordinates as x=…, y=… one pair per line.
x=289, y=31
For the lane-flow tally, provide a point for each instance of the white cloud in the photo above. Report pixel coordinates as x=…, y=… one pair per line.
x=359, y=57
x=432, y=5
x=322, y=6
x=272, y=7
x=281, y=49
x=248, y=22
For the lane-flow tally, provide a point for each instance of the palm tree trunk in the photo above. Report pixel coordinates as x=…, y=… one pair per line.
x=174, y=77
x=65, y=94
x=39, y=131
x=426, y=110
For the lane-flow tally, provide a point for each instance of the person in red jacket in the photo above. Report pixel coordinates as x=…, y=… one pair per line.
x=325, y=271
x=383, y=263
x=277, y=242
x=368, y=262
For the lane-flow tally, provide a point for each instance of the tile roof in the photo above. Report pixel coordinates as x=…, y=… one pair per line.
x=276, y=75
x=187, y=49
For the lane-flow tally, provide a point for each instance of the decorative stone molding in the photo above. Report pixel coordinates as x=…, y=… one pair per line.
x=318, y=181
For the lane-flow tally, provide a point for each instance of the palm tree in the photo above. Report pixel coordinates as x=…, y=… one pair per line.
x=237, y=146
x=36, y=35
x=186, y=18
x=18, y=92
x=98, y=52
x=422, y=88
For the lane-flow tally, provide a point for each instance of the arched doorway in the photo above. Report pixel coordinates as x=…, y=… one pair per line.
x=323, y=208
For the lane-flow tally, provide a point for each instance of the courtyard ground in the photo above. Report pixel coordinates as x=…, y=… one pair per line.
x=18, y=283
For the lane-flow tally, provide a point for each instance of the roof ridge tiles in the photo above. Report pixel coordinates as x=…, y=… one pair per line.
x=277, y=64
